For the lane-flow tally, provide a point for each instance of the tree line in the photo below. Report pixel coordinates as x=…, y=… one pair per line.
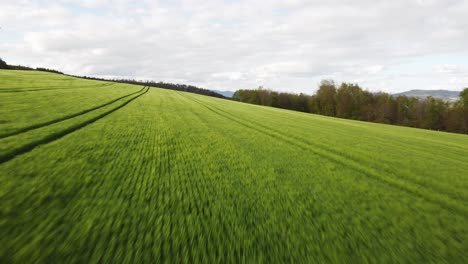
x=5, y=66
x=163, y=85
x=350, y=101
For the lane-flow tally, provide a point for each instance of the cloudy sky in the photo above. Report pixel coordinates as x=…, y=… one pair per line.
x=287, y=45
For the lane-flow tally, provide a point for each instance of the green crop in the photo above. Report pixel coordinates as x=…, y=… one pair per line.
x=95, y=172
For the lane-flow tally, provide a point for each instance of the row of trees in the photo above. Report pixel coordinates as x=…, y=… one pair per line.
x=5, y=66
x=352, y=102
x=163, y=85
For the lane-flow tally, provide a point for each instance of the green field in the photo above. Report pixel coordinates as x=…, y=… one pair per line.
x=96, y=172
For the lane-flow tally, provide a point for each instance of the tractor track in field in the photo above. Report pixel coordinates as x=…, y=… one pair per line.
x=36, y=126
x=22, y=90
x=406, y=178
x=57, y=135
x=447, y=203
x=456, y=149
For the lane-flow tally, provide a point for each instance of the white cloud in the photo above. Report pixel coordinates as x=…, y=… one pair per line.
x=233, y=76
x=449, y=68
x=284, y=45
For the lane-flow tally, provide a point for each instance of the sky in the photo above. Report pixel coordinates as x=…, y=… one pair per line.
x=288, y=45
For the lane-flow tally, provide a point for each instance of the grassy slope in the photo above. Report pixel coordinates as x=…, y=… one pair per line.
x=175, y=176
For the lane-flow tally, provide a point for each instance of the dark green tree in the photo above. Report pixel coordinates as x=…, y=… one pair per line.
x=326, y=98
x=464, y=105
x=3, y=64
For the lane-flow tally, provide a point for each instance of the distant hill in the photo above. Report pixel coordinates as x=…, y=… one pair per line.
x=228, y=94
x=439, y=94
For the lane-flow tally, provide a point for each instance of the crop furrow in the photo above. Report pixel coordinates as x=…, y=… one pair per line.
x=151, y=192
x=170, y=151
x=158, y=250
